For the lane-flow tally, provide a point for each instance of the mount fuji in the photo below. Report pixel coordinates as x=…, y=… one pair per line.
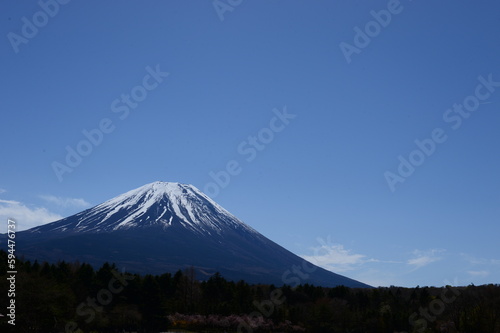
x=163, y=227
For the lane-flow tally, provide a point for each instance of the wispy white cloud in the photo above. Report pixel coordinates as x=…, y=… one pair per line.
x=335, y=257
x=65, y=202
x=26, y=217
x=424, y=258
x=479, y=261
x=376, y=272
x=9, y=202
x=2, y=190
x=478, y=273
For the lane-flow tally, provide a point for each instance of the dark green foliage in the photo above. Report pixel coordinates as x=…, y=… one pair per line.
x=65, y=297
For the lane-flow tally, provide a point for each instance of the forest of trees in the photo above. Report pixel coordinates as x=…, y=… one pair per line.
x=74, y=297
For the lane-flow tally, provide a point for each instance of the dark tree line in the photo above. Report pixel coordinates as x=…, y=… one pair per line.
x=75, y=297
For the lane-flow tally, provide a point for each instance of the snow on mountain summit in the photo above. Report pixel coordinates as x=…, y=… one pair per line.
x=156, y=204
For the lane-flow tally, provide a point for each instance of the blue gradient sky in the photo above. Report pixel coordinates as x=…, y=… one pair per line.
x=316, y=186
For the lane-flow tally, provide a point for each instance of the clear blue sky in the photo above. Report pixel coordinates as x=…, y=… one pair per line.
x=315, y=183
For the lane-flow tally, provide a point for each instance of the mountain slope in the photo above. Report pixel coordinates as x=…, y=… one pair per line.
x=162, y=227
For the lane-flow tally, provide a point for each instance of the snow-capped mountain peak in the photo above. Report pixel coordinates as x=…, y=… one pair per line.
x=156, y=204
